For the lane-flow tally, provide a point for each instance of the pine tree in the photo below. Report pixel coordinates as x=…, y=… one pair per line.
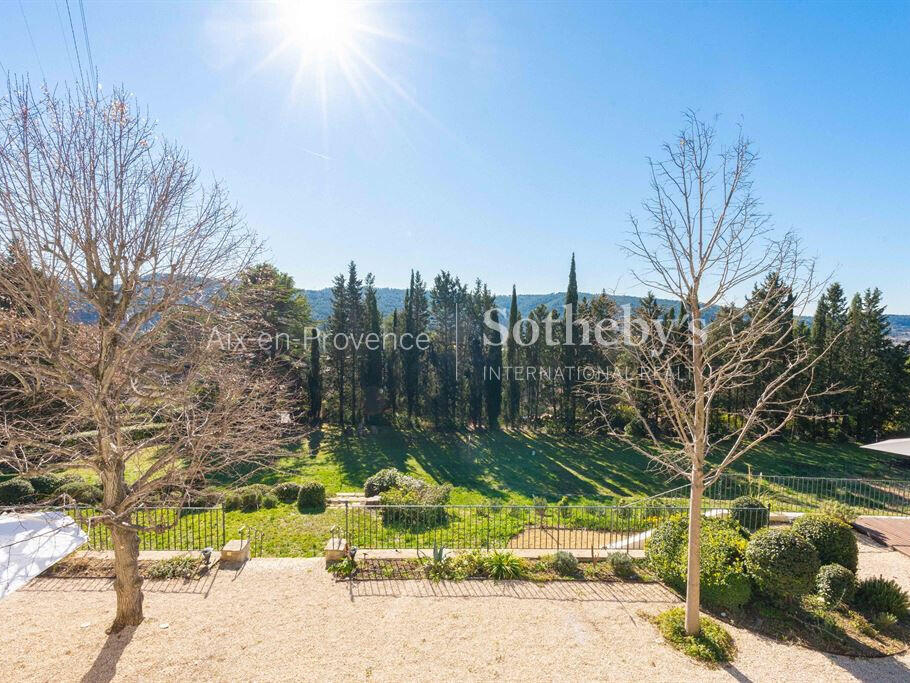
x=373, y=403
x=512, y=361
x=391, y=367
x=314, y=379
x=354, y=298
x=338, y=329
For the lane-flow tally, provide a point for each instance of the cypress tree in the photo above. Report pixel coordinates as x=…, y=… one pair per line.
x=354, y=296
x=570, y=351
x=372, y=366
x=493, y=380
x=391, y=368
x=338, y=328
x=512, y=362
x=314, y=378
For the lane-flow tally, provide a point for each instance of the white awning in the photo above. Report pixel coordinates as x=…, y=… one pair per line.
x=31, y=542
x=896, y=446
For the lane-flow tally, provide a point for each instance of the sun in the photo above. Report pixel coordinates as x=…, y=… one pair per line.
x=319, y=28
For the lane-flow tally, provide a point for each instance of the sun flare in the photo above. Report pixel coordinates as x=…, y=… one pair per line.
x=319, y=28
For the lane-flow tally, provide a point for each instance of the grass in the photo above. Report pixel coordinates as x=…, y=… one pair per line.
x=712, y=645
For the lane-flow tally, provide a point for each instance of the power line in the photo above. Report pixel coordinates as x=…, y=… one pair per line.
x=28, y=30
x=73, y=34
x=69, y=56
x=88, y=45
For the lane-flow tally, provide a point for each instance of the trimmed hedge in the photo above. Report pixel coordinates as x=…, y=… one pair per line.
x=724, y=582
x=835, y=584
x=45, y=484
x=15, y=491
x=287, y=491
x=750, y=513
x=782, y=563
x=82, y=492
x=430, y=499
x=832, y=538
x=311, y=496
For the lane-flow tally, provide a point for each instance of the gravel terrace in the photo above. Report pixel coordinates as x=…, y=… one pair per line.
x=287, y=619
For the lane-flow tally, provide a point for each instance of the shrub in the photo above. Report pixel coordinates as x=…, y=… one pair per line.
x=16, y=490
x=621, y=565
x=45, y=484
x=468, y=564
x=835, y=584
x=82, y=492
x=724, y=582
x=231, y=501
x=565, y=564
x=426, y=506
x=269, y=501
x=206, y=498
x=712, y=645
x=250, y=498
x=287, y=491
x=380, y=482
x=311, y=496
x=501, y=565
x=832, y=538
x=635, y=429
x=782, y=563
x=179, y=567
x=750, y=513
x=884, y=620
x=882, y=595
x=832, y=508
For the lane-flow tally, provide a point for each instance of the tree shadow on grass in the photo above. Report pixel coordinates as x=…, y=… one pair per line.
x=104, y=668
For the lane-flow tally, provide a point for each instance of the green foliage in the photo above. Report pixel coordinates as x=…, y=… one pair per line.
x=179, y=567
x=344, y=568
x=712, y=645
x=311, y=496
x=45, y=484
x=231, y=501
x=269, y=501
x=251, y=497
x=838, y=510
x=782, y=563
x=750, y=513
x=16, y=491
x=415, y=508
x=468, y=564
x=621, y=565
x=206, y=498
x=884, y=620
x=390, y=478
x=287, y=491
x=835, y=584
x=724, y=582
x=565, y=564
x=439, y=567
x=832, y=538
x=882, y=595
x=502, y=565
x=82, y=492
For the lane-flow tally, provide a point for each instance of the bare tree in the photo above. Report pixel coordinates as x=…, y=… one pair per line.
x=119, y=311
x=704, y=239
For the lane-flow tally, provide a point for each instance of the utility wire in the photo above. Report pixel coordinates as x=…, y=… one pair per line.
x=88, y=45
x=73, y=34
x=28, y=30
x=69, y=55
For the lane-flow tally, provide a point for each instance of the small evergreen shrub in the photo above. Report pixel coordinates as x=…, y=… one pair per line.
x=884, y=620
x=206, y=498
x=724, y=581
x=179, y=567
x=311, y=496
x=713, y=645
x=621, y=565
x=382, y=481
x=82, y=492
x=423, y=506
x=782, y=563
x=882, y=595
x=269, y=501
x=231, y=501
x=16, y=491
x=835, y=584
x=750, y=513
x=565, y=564
x=832, y=538
x=502, y=565
x=287, y=491
x=251, y=498
x=46, y=484
x=833, y=508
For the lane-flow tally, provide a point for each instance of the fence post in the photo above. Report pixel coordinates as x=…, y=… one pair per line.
x=346, y=513
x=223, y=533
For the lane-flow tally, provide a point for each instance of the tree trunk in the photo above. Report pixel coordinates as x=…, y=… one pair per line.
x=128, y=583
x=693, y=568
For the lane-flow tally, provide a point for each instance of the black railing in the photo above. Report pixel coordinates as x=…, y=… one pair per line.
x=255, y=537
x=163, y=528
x=517, y=527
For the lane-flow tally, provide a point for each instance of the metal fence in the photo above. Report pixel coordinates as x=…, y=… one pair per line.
x=173, y=528
x=573, y=527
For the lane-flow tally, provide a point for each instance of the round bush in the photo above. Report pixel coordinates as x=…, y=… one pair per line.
x=724, y=582
x=832, y=538
x=835, y=584
x=287, y=491
x=250, y=498
x=380, y=482
x=82, y=492
x=750, y=513
x=45, y=484
x=231, y=501
x=311, y=495
x=206, y=498
x=782, y=563
x=15, y=491
x=565, y=564
x=269, y=501
x=882, y=595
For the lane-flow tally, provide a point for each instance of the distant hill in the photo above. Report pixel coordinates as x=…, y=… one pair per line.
x=388, y=299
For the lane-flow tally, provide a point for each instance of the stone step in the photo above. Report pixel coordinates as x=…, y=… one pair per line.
x=362, y=501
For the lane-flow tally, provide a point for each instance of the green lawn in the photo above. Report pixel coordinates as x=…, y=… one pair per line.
x=507, y=467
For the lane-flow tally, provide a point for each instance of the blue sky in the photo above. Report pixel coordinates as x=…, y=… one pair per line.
x=493, y=139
